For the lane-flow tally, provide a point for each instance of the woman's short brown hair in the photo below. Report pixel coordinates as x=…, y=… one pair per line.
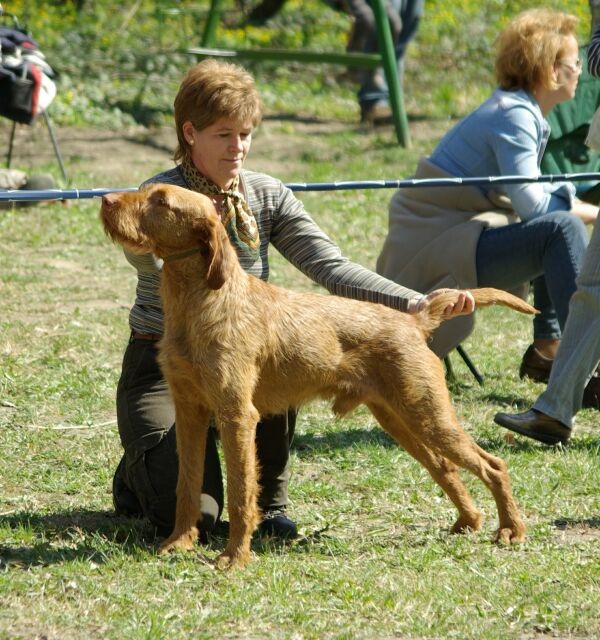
x=212, y=90
x=529, y=46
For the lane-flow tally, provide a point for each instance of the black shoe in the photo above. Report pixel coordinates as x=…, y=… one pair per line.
x=535, y=366
x=124, y=500
x=536, y=425
x=277, y=525
x=377, y=113
x=591, y=393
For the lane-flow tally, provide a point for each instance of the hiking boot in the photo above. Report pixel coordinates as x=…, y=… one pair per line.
x=376, y=113
x=535, y=366
x=276, y=524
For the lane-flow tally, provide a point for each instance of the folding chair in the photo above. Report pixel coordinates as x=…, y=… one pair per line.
x=467, y=360
x=26, y=85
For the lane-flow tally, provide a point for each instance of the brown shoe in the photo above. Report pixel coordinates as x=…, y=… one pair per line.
x=536, y=425
x=591, y=393
x=535, y=366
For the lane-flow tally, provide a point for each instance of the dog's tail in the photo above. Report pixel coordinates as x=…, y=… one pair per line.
x=433, y=314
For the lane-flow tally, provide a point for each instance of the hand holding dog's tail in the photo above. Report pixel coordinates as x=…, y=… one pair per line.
x=433, y=312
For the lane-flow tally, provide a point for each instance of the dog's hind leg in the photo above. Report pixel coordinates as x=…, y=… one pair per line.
x=494, y=474
x=238, y=435
x=444, y=472
x=437, y=427
x=191, y=424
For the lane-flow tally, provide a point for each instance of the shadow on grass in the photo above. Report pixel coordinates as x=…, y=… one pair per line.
x=568, y=523
x=308, y=444
x=99, y=536
x=64, y=536
x=293, y=117
x=583, y=443
x=502, y=401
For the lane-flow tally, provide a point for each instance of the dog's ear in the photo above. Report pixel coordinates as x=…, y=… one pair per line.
x=217, y=250
x=158, y=195
x=109, y=199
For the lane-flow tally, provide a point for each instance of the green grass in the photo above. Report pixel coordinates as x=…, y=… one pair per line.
x=375, y=559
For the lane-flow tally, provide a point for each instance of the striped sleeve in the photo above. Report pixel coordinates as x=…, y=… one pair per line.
x=593, y=53
x=301, y=241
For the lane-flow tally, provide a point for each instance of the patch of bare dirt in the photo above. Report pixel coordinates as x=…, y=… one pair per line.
x=126, y=157
x=576, y=531
x=115, y=158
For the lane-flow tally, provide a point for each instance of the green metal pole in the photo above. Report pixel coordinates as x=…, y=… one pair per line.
x=390, y=68
x=371, y=60
x=212, y=20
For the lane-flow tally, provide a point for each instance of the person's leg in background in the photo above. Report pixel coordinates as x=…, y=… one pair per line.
x=574, y=379
x=411, y=12
x=404, y=17
x=549, y=251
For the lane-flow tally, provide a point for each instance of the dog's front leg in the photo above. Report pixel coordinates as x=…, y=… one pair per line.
x=191, y=427
x=238, y=441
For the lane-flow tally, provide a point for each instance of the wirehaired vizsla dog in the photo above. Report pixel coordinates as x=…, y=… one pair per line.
x=238, y=348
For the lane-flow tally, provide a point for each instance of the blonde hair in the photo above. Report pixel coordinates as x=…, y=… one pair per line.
x=212, y=90
x=529, y=46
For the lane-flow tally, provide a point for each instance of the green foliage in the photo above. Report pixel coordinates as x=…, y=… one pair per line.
x=118, y=67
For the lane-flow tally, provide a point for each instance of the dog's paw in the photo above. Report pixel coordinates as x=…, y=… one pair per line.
x=510, y=535
x=468, y=524
x=184, y=542
x=227, y=561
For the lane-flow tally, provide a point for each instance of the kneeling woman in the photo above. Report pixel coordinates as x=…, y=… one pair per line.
x=216, y=109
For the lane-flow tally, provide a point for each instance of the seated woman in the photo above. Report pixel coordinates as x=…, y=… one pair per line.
x=575, y=379
x=500, y=236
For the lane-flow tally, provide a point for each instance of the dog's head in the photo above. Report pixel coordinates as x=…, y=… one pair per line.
x=167, y=220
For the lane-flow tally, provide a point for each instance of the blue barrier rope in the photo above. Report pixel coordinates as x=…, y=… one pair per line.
x=80, y=194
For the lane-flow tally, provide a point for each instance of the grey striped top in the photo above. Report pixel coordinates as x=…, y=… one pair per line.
x=284, y=223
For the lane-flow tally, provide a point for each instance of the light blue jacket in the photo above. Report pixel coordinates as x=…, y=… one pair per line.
x=505, y=136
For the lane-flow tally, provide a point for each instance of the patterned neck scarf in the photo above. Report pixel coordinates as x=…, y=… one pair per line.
x=236, y=216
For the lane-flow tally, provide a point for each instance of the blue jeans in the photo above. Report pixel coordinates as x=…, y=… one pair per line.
x=579, y=350
x=547, y=251
x=373, y=84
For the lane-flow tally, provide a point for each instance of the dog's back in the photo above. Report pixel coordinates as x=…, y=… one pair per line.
x=308, y=345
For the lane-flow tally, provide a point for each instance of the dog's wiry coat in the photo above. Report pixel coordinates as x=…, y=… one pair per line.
x=238, y=348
